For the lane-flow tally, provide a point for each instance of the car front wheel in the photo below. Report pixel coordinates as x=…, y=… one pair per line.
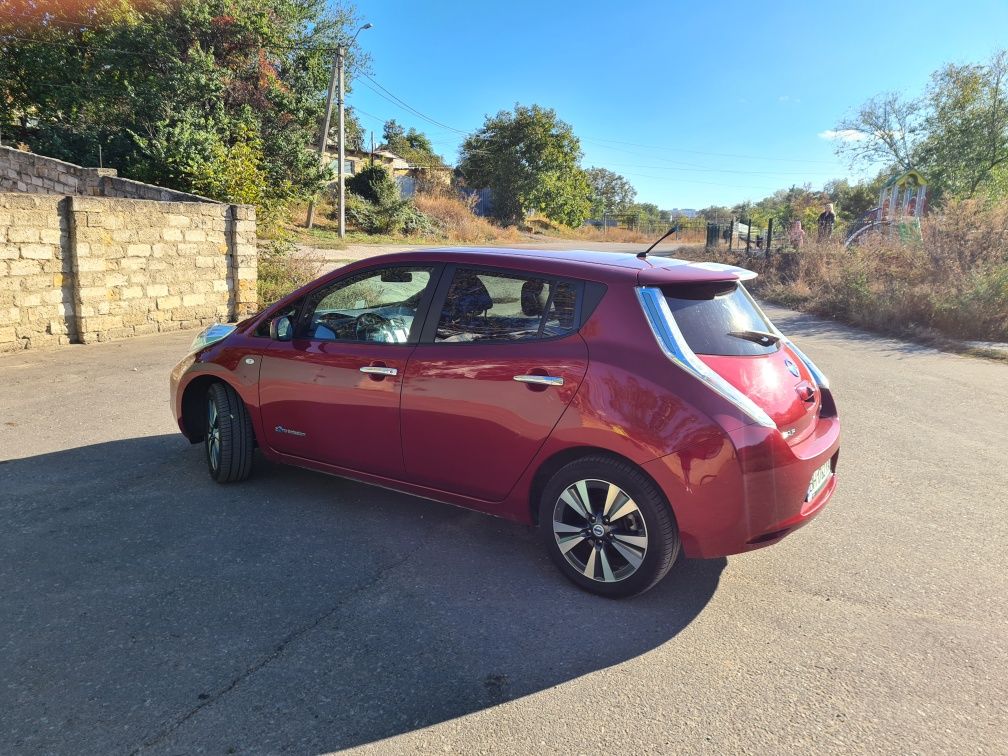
x=229, y=437
x=608, y=527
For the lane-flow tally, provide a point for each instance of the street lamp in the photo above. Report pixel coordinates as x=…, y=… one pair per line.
x=337, y=76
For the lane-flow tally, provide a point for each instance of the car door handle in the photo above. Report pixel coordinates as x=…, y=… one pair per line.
x=542, y=380
x=379, y=370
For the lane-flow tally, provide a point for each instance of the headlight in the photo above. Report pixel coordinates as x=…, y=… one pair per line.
x=211, y=335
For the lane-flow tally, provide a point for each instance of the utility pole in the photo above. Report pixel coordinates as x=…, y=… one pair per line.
x=325, y=131
x=336, y=77
x=340, y=57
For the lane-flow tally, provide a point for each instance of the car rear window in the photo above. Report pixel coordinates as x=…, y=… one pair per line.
x=708, y=315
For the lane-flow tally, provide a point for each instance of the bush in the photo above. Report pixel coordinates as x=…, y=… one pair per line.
x=391, y=217
x=375, y=185
x=283, y=267
x=954, y=282
x=454, y=218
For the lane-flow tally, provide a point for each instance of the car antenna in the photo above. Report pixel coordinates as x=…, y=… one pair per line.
x=642, y=255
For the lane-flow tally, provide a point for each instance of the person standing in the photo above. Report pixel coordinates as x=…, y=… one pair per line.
x=827, y=219
x=797, y=235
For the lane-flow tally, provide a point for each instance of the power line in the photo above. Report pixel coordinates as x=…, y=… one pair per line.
x=402, y=103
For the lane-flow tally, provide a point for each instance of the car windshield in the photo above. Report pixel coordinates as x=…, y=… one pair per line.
x=720, y=319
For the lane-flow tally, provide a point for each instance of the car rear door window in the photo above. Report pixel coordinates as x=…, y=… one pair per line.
x=482, y=306
x=719, y=319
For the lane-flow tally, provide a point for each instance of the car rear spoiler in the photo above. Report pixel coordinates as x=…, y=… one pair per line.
x=667, y=270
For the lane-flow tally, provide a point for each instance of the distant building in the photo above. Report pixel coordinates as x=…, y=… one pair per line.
x=403, y=171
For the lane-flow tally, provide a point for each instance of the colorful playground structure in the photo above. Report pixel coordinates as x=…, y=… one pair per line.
x=902, y=203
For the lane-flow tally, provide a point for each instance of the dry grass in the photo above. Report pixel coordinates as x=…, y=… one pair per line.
x=953, y=283
x=537, y=224
x=456, y=221
x=283, y=267
x=451, y=217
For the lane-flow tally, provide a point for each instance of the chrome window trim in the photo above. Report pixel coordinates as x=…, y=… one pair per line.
x=672, y=342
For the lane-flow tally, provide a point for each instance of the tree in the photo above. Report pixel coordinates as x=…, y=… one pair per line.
x=966, y=147
x=886, y=129
x=957, y=134
x=354, y=132
x=611, y=193
x=393, y=132
x=530, y=159
x=851, y=201
x=412, y=145
x=175, y=91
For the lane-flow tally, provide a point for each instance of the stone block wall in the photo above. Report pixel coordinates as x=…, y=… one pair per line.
x=36, y=292
x=37, y=174
x=85, y=269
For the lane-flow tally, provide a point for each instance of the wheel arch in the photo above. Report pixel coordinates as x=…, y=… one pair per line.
x=193, y=405
x=552, y=464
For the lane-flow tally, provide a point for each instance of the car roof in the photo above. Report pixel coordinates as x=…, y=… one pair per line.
x=596, y=265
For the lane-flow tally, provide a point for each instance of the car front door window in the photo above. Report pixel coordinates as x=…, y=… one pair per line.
x=377, y=307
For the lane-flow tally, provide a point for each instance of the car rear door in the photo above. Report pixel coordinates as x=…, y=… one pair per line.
x=498, y=362
x=331, y=393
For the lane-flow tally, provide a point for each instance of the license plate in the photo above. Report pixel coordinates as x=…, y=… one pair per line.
x=819, y=479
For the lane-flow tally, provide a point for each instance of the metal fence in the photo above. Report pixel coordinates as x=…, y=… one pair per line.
x=688, y=230
x=777, y=234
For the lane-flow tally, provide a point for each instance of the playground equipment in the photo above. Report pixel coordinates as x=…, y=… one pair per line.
x=902, y=203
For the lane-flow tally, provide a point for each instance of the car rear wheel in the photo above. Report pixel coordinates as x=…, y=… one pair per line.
x=608, y=527
x=229, y=437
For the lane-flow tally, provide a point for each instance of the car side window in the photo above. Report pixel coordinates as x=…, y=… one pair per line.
x=376, y=306
x=481, y=306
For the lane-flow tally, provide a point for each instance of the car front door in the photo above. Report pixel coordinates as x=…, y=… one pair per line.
x=499, y=361
x=331, y=392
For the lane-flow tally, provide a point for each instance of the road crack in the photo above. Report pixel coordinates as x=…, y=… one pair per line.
x=277, y=651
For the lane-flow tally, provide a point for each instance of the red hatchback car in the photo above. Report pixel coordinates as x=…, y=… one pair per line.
x=634, y=407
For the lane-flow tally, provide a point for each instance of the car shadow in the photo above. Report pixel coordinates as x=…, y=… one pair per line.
x=146, y=607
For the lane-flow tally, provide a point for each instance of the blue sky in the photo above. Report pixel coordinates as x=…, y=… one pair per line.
x=695, y=103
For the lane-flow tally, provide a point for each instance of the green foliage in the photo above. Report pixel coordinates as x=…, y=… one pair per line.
x=966, y=146
x=175, y=92
x=956, y=134
x=233, y=172
x=412, y=145
x=530, y=159
x=851, y=201
x=388, y=217
x=374, y=184
x=611, y=193
x=282, y=269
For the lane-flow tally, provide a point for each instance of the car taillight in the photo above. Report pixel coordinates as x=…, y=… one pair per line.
x=672, y=342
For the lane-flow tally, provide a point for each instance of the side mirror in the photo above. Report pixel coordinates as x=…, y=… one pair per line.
x=281, y=329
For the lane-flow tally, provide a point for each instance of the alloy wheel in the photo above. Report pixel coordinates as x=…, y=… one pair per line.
x=213, y=436
x=600, y=530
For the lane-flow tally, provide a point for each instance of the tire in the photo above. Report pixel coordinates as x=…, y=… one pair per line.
x=619, y=555
x=229, y=438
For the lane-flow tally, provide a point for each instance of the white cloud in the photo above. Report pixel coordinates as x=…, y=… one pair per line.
x=842, y=135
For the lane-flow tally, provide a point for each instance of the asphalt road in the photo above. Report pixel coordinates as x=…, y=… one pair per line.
x=145, y=609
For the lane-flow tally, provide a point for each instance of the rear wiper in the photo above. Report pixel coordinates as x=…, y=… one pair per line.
x=765, y=338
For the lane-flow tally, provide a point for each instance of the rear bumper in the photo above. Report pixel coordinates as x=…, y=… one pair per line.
x=749, y=490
